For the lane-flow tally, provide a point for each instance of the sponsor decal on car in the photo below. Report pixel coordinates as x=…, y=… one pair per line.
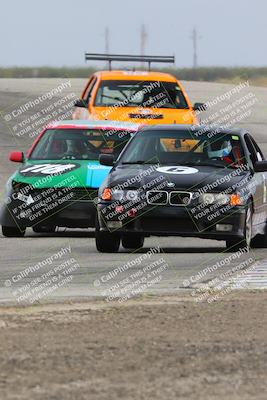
x=178, y=170
x=96, y=174
x=48, y=169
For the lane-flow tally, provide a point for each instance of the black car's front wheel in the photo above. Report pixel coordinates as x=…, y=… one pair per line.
x=259, y=241
x=106, y=242
x=132, y=241
x=245, y=243
x=12, y=231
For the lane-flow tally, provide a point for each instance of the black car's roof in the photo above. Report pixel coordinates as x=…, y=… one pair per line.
x=194, y=128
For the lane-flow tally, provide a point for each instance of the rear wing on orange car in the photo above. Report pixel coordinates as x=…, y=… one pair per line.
x=131, y=58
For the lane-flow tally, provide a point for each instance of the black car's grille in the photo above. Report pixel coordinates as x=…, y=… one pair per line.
x=157, y=197
x=174, y=198
x=179, y=198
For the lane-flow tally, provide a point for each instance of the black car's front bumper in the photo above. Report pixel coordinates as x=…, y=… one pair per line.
x=176, y=221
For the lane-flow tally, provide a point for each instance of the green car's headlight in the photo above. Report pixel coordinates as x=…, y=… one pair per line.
x=18, y=185
x=15, y=185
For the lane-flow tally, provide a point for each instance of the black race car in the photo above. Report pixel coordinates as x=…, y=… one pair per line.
x=192, y=181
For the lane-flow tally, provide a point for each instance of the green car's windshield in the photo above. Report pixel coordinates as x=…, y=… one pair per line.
x=146, y=94
x=79, y=144
x=184, y=148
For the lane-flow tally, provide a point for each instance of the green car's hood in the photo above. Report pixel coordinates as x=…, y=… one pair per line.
x=45, y=174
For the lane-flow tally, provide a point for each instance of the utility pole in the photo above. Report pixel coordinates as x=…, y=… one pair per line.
x=107, y=40
x=144, y=36
x=195, y=38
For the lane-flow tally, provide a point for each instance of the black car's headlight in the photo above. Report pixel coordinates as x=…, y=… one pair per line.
x=120, y=195
x=221, y=199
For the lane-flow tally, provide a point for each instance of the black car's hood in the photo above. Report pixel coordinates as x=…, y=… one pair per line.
x=181, y=177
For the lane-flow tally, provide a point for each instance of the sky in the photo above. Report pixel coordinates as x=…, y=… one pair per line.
x=58, y=32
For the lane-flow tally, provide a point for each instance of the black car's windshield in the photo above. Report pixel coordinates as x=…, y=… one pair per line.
x=79, y=144
x=147, y=94
x=184, y=148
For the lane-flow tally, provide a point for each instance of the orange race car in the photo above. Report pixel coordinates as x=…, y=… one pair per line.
x=135, y=96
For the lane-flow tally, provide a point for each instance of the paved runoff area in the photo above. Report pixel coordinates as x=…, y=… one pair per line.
x=200, y=267
x=180, y=319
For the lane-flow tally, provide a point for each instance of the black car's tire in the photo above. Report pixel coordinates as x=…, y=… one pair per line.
x=259, y=241
x=12, y=231
x=245, y=243
x=236, y=245
x=43, y=229
x=106, y=242
x=132, y=241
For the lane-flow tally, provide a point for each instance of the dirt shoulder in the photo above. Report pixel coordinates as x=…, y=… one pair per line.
x=150, y=348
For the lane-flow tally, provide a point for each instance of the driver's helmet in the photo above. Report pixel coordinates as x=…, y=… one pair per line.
x=73, y=146
x=58, y=147
x=219, y=149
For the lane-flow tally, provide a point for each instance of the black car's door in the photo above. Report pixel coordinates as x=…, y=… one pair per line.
x=258, y=183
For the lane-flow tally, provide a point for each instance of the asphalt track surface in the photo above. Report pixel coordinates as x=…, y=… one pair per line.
x=90, y=273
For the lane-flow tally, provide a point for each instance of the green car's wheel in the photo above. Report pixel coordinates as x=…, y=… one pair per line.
x=12, y=231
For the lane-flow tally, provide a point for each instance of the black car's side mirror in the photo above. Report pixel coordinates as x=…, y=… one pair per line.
x=106, y=159
x=81, y=103
x=200, y=107
x=260, y=166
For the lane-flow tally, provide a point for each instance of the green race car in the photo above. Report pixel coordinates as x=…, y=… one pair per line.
x=58, y=181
